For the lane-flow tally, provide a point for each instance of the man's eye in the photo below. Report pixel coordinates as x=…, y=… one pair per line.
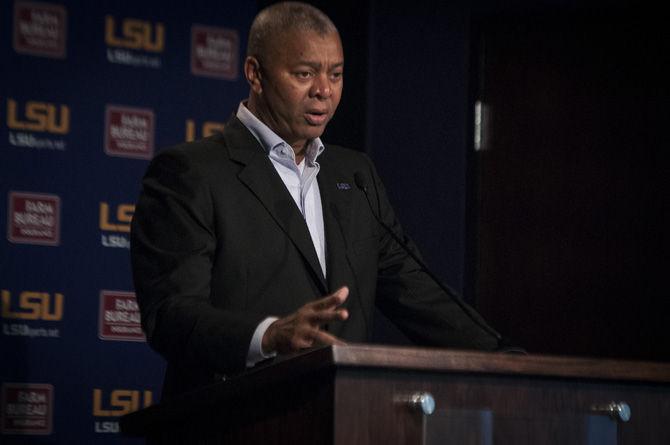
x=336, y=75
x=303, y=75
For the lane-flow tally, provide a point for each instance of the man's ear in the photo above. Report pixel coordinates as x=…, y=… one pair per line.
x=252, y=71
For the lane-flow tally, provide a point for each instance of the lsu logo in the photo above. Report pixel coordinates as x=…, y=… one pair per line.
x=32, y=306
x=119, y=402
x=121, y=222
x=38, y=116
x=135, y=34
x=208, y=129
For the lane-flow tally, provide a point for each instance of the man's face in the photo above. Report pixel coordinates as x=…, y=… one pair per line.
x=301, y=85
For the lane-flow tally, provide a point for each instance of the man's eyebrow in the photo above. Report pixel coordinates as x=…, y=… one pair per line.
x=318, y=64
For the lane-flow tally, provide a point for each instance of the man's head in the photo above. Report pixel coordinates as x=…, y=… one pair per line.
x=294, y=68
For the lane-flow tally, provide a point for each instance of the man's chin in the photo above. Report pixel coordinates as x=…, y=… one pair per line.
x=314, y=132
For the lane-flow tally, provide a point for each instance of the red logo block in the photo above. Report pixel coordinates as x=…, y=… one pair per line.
x=40, y=29
x=214, y=52
x=27, y=408
x=119, y=317
x=34, y=218
x=129, y=132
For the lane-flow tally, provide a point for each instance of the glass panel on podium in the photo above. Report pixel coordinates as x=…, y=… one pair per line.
x=483, y=427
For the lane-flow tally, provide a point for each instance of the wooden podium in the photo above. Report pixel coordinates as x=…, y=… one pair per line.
x=365, y=394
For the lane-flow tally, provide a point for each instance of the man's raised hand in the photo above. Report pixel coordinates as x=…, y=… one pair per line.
x=302, y=329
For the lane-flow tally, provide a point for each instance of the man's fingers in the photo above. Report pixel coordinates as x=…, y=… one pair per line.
x=311, y=337
x=333, y=300
x=326, y=309
x=301, y=329
x=324, y=316
x=325, y=338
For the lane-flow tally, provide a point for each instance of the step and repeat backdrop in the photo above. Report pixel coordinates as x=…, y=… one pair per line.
x=91, y=91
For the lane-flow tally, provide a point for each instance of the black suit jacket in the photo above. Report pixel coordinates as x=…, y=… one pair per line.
x=218, y=244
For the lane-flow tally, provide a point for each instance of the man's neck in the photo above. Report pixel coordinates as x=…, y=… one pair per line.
x=299, y=155
x=297, y=146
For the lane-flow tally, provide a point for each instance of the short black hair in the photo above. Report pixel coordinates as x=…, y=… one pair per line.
x=282, y=17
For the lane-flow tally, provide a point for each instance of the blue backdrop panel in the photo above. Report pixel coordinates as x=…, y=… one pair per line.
x=91, y=91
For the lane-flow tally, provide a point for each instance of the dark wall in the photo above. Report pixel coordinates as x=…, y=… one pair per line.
x=571, y=186
x=417, y=98
x=424, y=69
x=417, y=123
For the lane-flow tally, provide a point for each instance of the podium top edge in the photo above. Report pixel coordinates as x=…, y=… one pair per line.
x=477, y=362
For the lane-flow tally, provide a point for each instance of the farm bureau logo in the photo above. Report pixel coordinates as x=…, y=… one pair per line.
x=133, y=42
x=115, y=226
x=214, y=52
x=23, y=120
x=31, y=314
x=116, y=403
x=33, y=218
x=40, y=29
x=129, y=132
x=208, y=129
x=119, y=317
x=27, y=408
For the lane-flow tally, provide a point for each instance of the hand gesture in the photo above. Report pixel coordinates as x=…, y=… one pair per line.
x=302, y=329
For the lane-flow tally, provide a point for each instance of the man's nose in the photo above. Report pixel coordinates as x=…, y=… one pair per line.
x=322, y=87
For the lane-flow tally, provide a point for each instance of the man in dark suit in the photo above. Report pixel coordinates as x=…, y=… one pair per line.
x=258, y=241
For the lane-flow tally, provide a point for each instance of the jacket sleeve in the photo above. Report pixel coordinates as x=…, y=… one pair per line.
x=173, y=246
x=411, y=299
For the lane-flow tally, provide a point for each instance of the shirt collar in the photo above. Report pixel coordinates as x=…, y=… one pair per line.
x=270, y=141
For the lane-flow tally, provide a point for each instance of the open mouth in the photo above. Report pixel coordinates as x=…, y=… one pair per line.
x=316, y=117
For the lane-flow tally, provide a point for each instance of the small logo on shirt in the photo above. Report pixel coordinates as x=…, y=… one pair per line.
x=343, y=186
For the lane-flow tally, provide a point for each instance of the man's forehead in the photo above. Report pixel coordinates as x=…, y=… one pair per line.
x=295, y=42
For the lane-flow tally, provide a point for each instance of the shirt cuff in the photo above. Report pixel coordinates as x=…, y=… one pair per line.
x=256, y=353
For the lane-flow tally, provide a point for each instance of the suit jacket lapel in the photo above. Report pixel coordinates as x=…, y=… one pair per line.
x=336, y=193
x=336, y=210
x=264, y=182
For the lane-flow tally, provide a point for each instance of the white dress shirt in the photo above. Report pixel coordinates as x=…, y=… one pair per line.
x=300, y=181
